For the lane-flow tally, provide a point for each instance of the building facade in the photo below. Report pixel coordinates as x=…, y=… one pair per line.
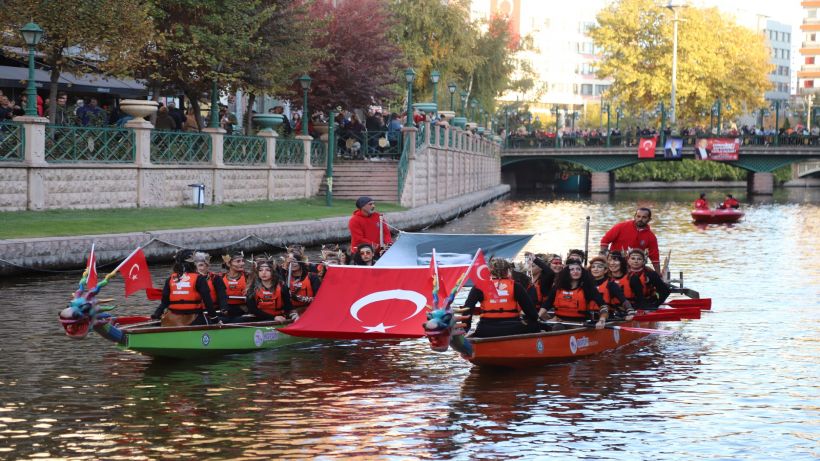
x=808, y=78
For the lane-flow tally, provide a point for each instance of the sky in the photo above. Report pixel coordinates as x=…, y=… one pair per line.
x=786, y=11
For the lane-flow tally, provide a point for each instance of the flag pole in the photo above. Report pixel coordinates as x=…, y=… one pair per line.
x=114, y=272
x=461, y=280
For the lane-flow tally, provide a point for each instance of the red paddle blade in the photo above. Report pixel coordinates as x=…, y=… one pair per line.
x=668, y=315
x=703, y=303
x=644, y=330
x=154, y=294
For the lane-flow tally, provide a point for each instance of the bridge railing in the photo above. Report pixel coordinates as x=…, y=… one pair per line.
x=630, y=140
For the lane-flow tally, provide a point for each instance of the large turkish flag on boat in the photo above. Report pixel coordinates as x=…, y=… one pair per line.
x=358, y=302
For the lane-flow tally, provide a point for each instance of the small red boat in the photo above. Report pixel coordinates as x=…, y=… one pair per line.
x=552, y=347
x=717, y=216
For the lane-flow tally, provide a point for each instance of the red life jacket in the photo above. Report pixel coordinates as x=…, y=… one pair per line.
x=183, y=296
x=623, y=282
x=235, y=288
x=646, y=288
x=270, y=301
x=572, y=304
x=540, y=296
x=505, y=306
x=211, y=288
x=303, y=288
x=701, y=204
x=603, y=288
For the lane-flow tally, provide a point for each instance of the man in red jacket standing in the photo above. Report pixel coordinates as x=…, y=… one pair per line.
x=633, y=234
x=366, y=226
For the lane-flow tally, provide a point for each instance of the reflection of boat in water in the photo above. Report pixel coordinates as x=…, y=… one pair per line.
x=717, y=216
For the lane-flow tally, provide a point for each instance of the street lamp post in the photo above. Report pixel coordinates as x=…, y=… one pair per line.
x=776, y=107
x=331, y=152
x=606, y=107
x=32, y=34
x=410, y=77
x=810, y=99
x=214, y=123
x=305, y=80
x=557, y=112
x=463, y=103
x=719, y=106
x=675, y=6
x=712, y=114
x=662, y=108
x=574, y=116
x=451, y=87
x=473, y=105
x=435, y=76
x=619, y=112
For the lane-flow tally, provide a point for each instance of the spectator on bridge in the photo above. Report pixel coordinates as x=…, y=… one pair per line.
x=632, y=234
x=177, y=114
x=92, y=114
x=164, y=120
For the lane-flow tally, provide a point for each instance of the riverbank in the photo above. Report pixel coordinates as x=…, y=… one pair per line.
x=29, y=255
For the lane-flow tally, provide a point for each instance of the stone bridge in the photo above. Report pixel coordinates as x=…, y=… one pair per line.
x=759, y=160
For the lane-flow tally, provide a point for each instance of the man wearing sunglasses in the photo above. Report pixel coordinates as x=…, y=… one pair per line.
x=367, y=226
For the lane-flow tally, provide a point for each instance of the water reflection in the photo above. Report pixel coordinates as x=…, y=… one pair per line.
x=741, y=383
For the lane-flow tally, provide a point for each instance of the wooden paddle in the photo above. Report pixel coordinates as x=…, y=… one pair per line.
x=650, y=331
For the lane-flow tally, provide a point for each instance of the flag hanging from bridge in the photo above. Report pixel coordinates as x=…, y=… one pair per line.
x=646, y=148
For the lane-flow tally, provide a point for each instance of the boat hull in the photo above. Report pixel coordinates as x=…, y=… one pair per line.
x=717, y=216
x=206, y=340
x=549, y=347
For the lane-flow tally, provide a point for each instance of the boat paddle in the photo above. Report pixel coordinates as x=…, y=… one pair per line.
x=586, y=242
x=668, y=315
x=650, y=331
x=702, y=303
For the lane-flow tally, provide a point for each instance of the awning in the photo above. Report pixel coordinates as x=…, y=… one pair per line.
x=17, y=77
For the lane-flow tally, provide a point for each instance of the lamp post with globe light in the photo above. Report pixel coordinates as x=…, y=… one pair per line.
x=451, y=87
x=410, y=77
x=304, y=81
x=32, y=34
x=675, y=6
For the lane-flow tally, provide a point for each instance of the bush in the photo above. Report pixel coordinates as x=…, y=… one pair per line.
x=684, y=170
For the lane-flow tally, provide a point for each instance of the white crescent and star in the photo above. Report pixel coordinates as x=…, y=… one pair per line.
x=647, y=144
x=131, y=272
x=414, y=297
x=481, y=268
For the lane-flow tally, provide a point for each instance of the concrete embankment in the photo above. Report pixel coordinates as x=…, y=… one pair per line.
x=25, y=255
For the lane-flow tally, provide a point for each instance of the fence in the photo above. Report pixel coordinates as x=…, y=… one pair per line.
x=12, y=142
x=70, y=144
x=244, y=150
x=169, y=147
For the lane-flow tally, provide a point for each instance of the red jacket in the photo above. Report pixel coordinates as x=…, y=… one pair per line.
x=701, y=204
x=365, y=229
x=626, y=235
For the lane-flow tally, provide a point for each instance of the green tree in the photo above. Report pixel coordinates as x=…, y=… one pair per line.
x=717, y=58
x=83, y=36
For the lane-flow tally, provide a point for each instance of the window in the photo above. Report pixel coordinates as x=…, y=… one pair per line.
x=809, y=59
x=600, y=89
x=788, y=54
x=811, y=13
x=808, y=83
x=586, y=89
x=585, y=47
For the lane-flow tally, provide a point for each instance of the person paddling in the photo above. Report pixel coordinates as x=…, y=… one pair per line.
x=216, y=288
x=575, y=297
x=235, y=282
x=610, y=291
x=267, y=297
x=701, y=203
x=185, y=297
x=729, y=202
x=303, y=285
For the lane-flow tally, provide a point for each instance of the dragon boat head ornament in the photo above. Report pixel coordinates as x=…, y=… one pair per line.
x=84, y=313
x=438, y=328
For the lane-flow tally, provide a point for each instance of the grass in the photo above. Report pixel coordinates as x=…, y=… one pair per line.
x=63, y=223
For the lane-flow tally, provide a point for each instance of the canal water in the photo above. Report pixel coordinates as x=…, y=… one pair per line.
x=742, y=383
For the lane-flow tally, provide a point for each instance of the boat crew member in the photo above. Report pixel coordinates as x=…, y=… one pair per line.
x=542, y=276
x=502, y=316
x=236, y=283
x=575, y=297
x=267, y=297
x=635, y=233
x=364, y=255
x=648, y=290
x=216, y=288
x=303, y=285
x=729, y=202
x=368, y=226
x=186, y=296
x=701, y=203
x=611, y=292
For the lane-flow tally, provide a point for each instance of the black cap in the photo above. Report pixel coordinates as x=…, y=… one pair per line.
x=362, y=201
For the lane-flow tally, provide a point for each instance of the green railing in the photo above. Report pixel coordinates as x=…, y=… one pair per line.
x=404, y=162
x=65, y=144
x=243, y=150
x=367, y=144
x=318, y=153
x=180, y=147
x=290, y=151
x=12, y=142
x=420, y=135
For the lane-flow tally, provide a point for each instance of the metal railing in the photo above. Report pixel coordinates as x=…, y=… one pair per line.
x=630, y=140
x=66, y=144
x=367, y=144
x=243, y=150
x=404, y=162
x=180, y=147
x=318, y=153
x=290, y=151
x=12, y=142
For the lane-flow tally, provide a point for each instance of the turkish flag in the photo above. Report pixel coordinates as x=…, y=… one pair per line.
x=135, y=272
x=646, y=148
x=480, y=275
x=367, y=302
x=91, y=270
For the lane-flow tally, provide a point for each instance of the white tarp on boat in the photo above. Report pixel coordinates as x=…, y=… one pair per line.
x=416, y=249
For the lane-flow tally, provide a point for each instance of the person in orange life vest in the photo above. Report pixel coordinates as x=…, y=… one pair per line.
x=236, y=283
x=303, y=285
x=729, y=202
x=364, y=256
x=542, y=277
x=365, y=227
x=186, y=296
x=610, y=291
x=216, y=288
x=619, y=273
x=648, y=288
x=633, y=234
x=267, y=296
x=701, y=203
x=575, y=297
x=502, y=316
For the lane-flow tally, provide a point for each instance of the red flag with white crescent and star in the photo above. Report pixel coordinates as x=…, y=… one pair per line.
x=646, y=148
x=480, y=275
x=366, y=302
x=91, y=270
x=135, y=272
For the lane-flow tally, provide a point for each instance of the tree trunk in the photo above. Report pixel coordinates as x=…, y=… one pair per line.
x=53, y=85
x=249, y=113
x=195, y=105
x=155, y=88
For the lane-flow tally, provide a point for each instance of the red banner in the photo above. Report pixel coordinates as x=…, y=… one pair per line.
x=357, y=302
x=717, y=149
x=135, y=272
x=646, y=148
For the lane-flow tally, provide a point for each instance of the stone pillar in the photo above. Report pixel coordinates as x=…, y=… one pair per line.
x=142, y=158
x=409, y=133
x=34, y=132
x=761, y=183
x=602, y=181
x=270, y=159
x=218, y=163
x=306, y=141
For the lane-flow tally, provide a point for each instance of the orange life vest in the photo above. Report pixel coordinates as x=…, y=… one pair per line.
x=603, y=288
x=647, y=289
x=183, y=296
x=540, y=296
x=235, y=289
x=270, y=301
x=623, y=282
x=303, y=288
x=572, y=304
x=505, y=306
x=211, y=288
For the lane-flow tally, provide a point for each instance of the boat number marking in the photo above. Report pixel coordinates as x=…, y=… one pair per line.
x=206, y=339
x=539, y=346
x=616, y=335
x=259, y=336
